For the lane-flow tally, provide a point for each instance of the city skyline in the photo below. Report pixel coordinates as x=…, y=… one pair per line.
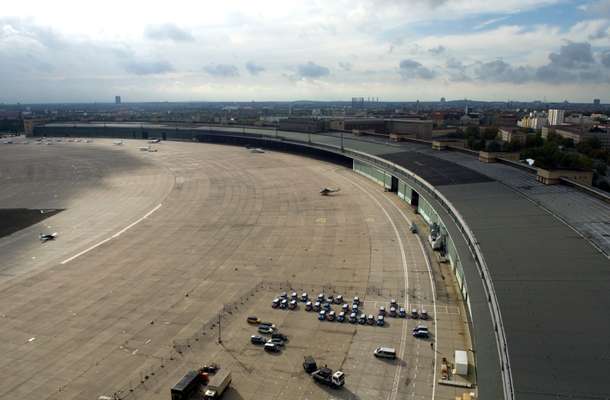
x=398, y=51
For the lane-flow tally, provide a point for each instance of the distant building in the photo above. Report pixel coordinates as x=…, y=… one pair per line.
x=597, y=102
x=534, y=120
x=505, y=119
x=421, y=129
x=308, y=125
x=556, y=117
x=442, y=100
x=117, y=99
x=376, y=125
x=579, y=133
x=511, y=135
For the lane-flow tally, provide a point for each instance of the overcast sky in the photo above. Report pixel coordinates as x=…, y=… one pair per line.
x=69, y=51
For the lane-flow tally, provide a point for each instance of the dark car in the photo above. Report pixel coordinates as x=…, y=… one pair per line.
x=281, y=336
x=308, y=306
x=255, y=339
x=276, y=341
x=309, y=364
x=362, y=319
x=272, y=347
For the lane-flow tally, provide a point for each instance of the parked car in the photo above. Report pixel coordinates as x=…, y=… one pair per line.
x=308, y=306
x=309, y=364
x=421, y=331
x=322, y=315
x=385, y=352
x=294, y=295
x=414, y=313
x=292, y=305
x=255, y=339
x=281, y=336
x=330, y=299
x=266, y=330
x=253, y=320
x=345, y=307
x=341, y=316
x=362, y=319
x=356, y=300
x=402, y=313
x=393, y=303
x=304, y=297
x=355, y=308
x=321, y=297
x=424, y=314
x=275, y=303
x=284, y=304
x=277, y=341
x=284, y=295
x=393, y=312
x=380, y=320
x=353, y=318
x=272, y=348
x=338, y=299
x=267, y=323
x=331, y=316
x=371, y=319
x=326, y=306
x=382, y=310
x=317, y=306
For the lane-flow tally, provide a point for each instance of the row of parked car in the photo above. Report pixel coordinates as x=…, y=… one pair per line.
x=324, y=303
x=273, y=341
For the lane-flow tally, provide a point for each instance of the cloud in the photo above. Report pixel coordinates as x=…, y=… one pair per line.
x=168, y=32
x=148, y=67
x=345, y=66
x=312, y=70
x=500, y=71
x=605, y=59
x=437, y=50
x=492, y=21
x=253, y=68
x=573, y=55
x=600, y=8
x=222, y=70
x=411, y=69
x=22, y=31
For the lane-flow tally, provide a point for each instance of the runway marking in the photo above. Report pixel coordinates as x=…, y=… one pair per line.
x=403, y=336
x=116, y=235
x=433, y=287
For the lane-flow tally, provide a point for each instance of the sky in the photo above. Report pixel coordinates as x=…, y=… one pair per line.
x=282, y=50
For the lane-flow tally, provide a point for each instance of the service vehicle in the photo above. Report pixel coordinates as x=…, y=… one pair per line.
x=186, y=386
x=341, y=316
x=322, y=315
x=326, y=376
x=309, y=364
x=217, y=385
x=385, y=352
x=253, y=320
x=308, y=306
x=272, y=347
x=256, y=339
x=331, y=316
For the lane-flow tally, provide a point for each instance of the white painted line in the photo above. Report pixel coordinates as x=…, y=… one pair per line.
x=116, y=235
x=403, y=336
x=433, y=287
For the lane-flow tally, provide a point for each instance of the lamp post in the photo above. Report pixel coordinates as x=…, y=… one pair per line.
x=342, y=142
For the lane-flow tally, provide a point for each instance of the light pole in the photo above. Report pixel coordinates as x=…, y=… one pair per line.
x=342, y=141
x=219, y=329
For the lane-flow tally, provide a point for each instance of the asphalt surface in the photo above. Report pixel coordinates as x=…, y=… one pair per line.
x=152, y=246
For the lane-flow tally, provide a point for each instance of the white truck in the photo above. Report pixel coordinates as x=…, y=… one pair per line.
x=461, y=362
x=217, y=384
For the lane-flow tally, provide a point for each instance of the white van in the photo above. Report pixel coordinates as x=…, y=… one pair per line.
x=385, y=352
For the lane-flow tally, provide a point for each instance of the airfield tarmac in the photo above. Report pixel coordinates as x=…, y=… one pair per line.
x=152, y=246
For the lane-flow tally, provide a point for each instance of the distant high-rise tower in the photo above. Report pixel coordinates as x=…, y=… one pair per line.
x=117, y=99
x=556, y=117
x=597, y=102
